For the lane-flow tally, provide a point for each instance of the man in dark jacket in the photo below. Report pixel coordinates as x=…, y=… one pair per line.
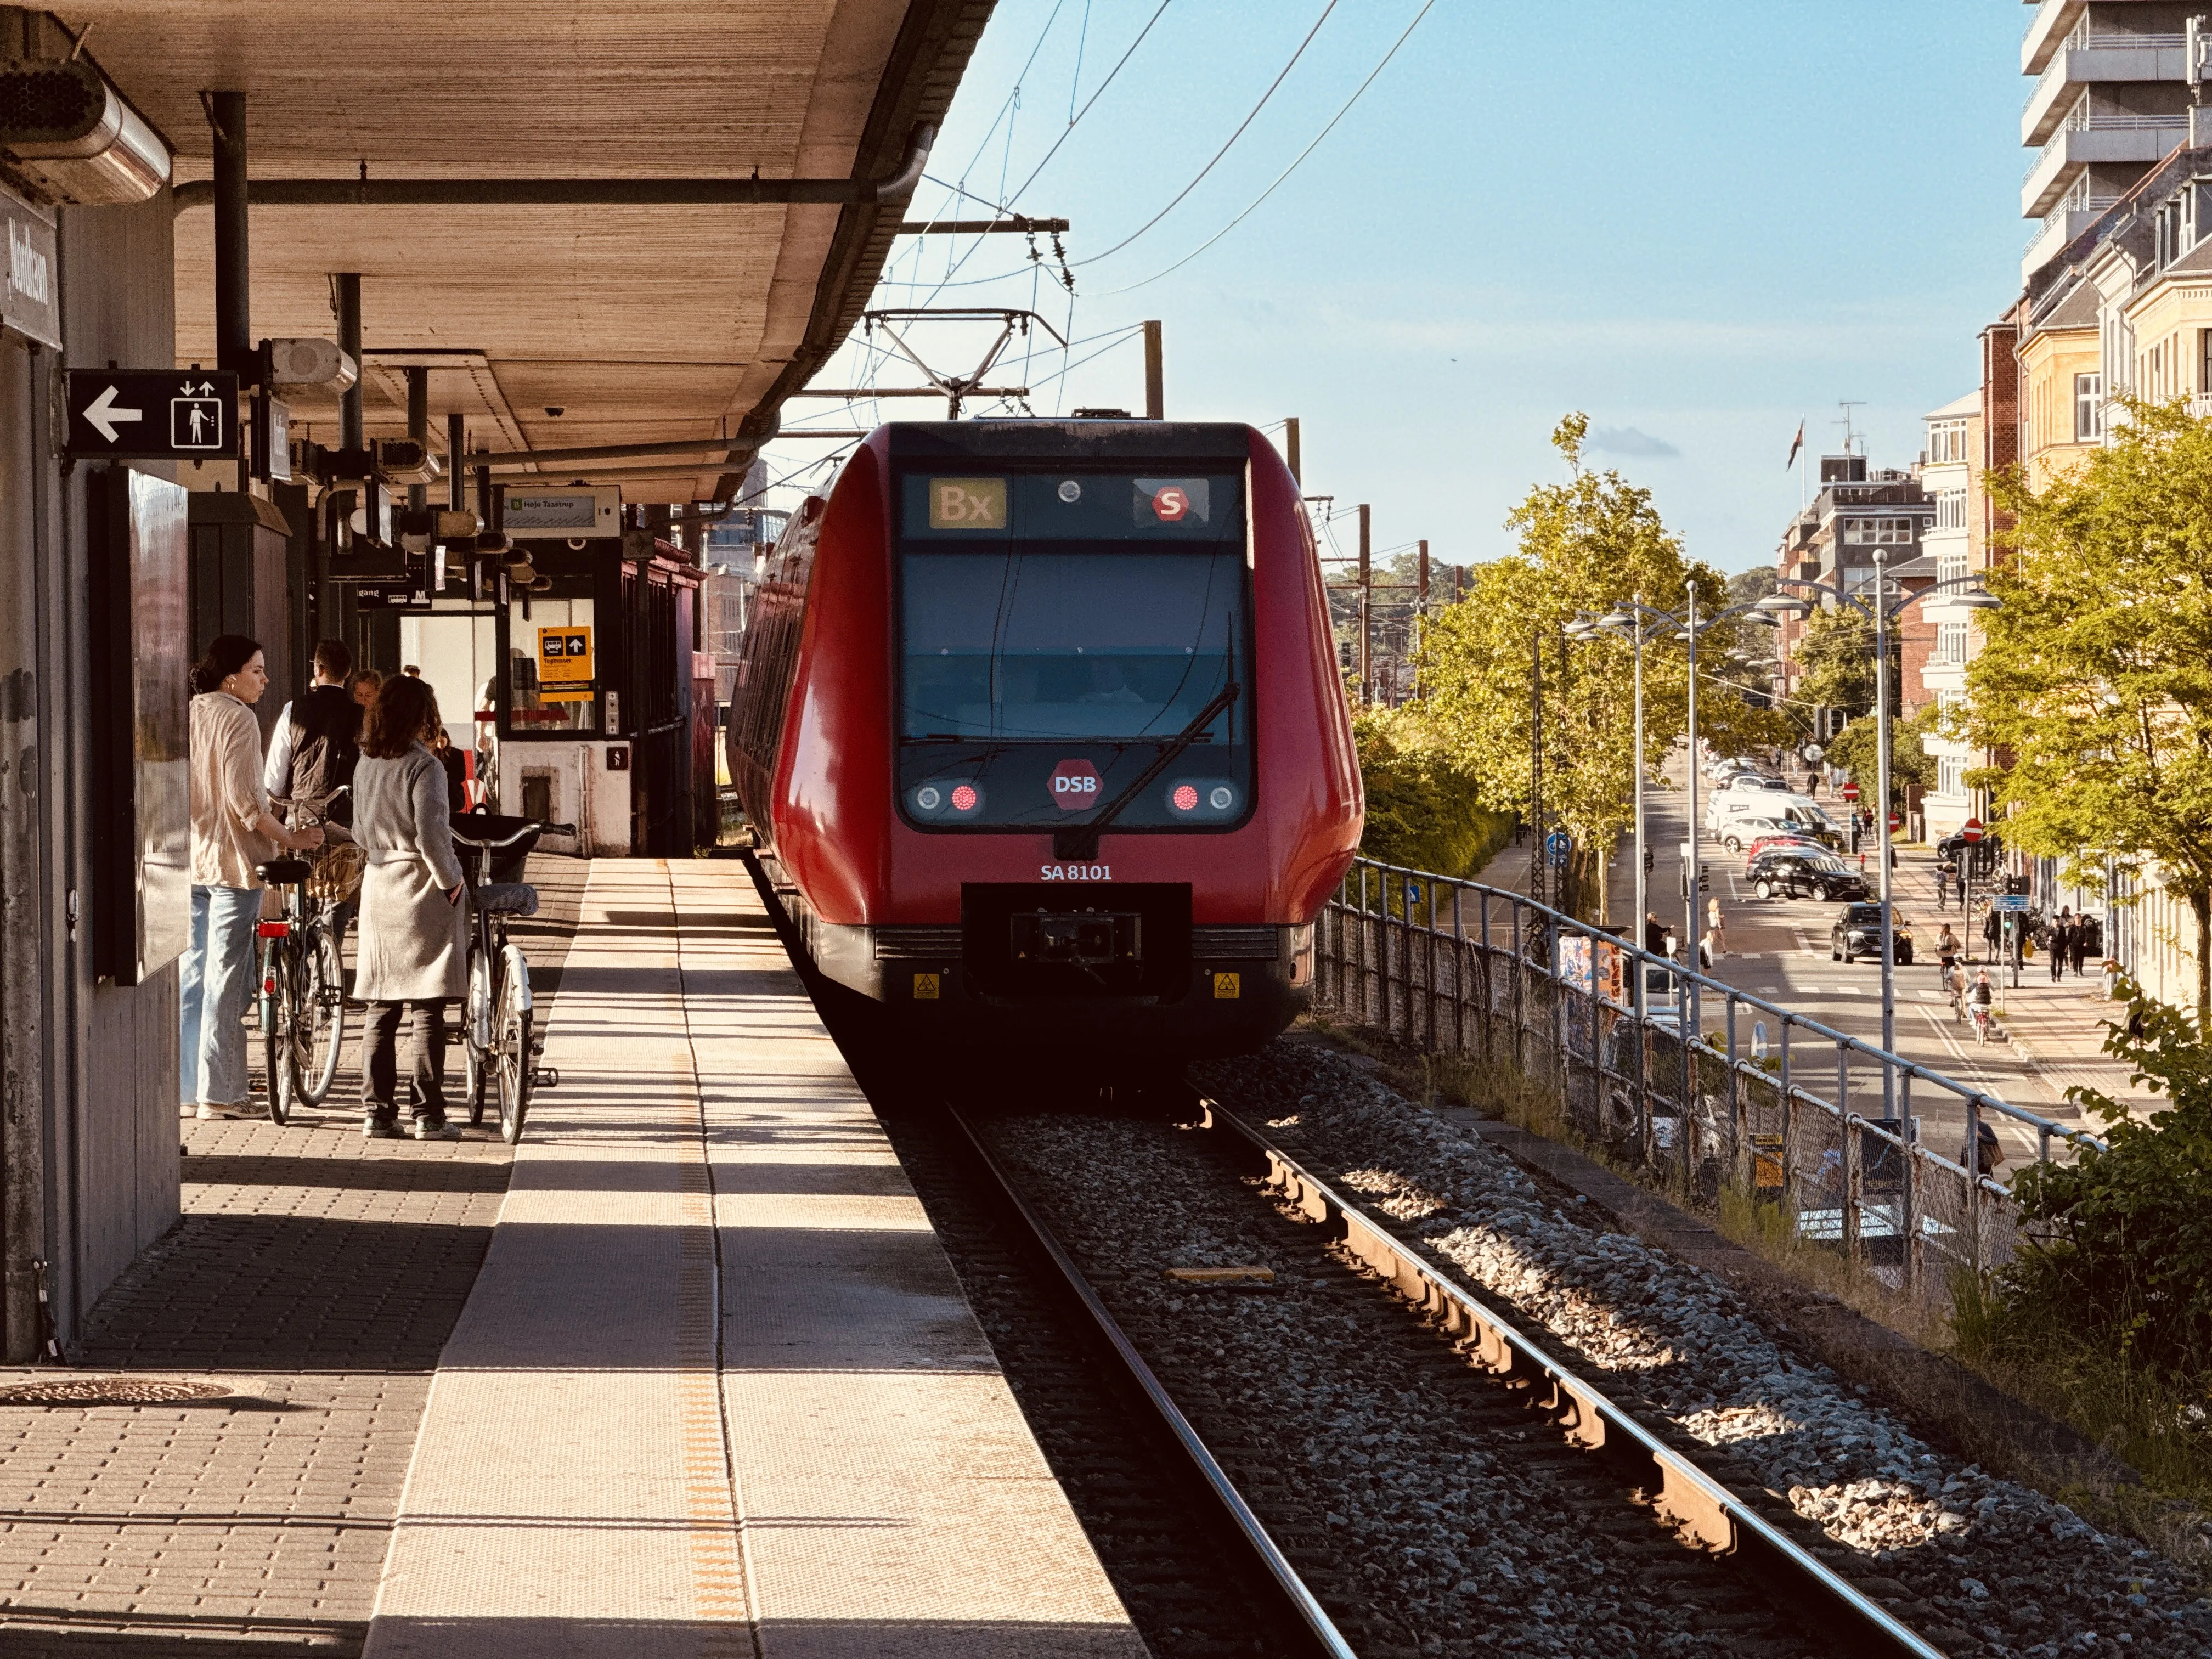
x=317, y=737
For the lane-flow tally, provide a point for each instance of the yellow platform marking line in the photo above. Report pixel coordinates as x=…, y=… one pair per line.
x=721, y=1601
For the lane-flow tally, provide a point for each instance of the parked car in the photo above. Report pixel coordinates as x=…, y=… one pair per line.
x=1789, y=872
x=1788, y=840
x=1857, y=932
x=1739, y=833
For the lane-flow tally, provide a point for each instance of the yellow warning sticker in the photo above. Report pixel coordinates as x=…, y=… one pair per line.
x=1227, y=987
x=924, y=988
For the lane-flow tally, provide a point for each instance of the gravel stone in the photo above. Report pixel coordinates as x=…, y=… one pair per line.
x=1454, y=1542
x=1680, y=1340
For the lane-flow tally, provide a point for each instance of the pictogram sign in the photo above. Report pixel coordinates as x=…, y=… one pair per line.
x=564, y=663
x=152, y=415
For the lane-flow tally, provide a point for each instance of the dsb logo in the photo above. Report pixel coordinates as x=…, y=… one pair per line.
x=1074, y=784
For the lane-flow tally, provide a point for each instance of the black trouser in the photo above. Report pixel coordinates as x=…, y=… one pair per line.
x=426, y=1058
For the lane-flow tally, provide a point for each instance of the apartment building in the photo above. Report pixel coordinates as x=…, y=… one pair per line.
x=1860, y=514
x=2114, y=83
x=1949, y=473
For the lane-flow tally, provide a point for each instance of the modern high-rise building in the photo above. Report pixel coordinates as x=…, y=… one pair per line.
x=2115, y=81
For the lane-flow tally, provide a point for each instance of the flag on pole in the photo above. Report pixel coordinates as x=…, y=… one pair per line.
x=1796, y=444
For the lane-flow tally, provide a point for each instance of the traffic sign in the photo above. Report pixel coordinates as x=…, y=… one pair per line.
x=1811, y=753
x=1896, y=822
x=152, y=415
x=2010, y=901
x=1558, y=844
x=1971, y=831
x=1850, y=791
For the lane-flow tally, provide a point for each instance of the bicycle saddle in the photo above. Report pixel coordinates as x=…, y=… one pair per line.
x=283, y=872
x=509, y=898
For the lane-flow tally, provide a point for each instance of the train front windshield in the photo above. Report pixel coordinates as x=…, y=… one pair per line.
x=1058, y=631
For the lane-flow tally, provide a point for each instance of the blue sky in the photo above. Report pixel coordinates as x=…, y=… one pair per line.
x=1696, y=222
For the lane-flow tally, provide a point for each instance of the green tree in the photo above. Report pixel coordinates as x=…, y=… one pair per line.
x=1585, y=544
x=1835, y=661
x=1423, y=809
x=1910, y=764
x=2095, y=674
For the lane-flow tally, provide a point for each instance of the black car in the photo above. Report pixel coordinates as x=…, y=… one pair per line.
x=1794, y=872
x=1857, y=932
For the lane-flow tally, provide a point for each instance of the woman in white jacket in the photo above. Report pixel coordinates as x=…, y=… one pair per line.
x=233, y=832
x=413, y=938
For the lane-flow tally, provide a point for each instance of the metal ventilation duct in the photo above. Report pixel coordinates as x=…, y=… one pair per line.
x=70, y=134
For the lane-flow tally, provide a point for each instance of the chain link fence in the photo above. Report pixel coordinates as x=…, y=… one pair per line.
x=1675, y=1072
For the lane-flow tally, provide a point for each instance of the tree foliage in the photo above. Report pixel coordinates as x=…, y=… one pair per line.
x=1585, y=544
x=1835, y=660
x=1424, y=810
x=1911, y=765
x=2095, y=675
x=2124, y=1257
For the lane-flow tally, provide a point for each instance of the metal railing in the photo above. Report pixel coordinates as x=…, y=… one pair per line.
x=1821, y=1123
x=2079, y=122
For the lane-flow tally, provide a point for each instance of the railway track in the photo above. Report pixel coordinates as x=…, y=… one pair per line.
x=1625, y=1540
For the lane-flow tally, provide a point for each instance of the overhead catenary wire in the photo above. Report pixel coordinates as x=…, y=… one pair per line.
x=1299, y=161
x=1272, y=87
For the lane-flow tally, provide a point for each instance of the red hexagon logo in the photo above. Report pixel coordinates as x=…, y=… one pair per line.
x=1074, y=786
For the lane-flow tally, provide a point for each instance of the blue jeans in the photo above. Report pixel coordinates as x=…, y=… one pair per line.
x=215, y=983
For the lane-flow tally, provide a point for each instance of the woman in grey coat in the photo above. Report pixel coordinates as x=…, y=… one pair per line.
x=413, y=938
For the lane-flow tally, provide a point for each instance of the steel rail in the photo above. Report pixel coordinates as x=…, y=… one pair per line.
x=1302, y=1615
x=1715, y=1517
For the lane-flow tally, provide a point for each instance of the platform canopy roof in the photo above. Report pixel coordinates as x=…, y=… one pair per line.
x=639, y=323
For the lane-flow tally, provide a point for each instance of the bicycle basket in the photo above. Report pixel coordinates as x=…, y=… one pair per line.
x=335, y=877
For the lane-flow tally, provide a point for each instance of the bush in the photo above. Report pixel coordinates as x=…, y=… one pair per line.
x=1422, y=809
x=2123, y=1250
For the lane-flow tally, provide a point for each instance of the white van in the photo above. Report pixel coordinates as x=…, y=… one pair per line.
x=1790, y=809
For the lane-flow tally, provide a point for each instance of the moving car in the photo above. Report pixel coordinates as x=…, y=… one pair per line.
x=1857, y=932
x=1787, y=872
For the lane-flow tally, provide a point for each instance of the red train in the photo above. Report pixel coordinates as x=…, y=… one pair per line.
x=1039, y=726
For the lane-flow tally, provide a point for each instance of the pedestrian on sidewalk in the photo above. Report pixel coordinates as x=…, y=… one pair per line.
x=2062, y=944
x=414, y=931
x=1713, y=929
x=2081, y=946
x=233, y=830
x=1655, y=935
x=1992, y=931
x=1942, y=887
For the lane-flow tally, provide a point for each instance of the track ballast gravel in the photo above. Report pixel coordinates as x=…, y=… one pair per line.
x=1978, y=1564
x=1431, y=1512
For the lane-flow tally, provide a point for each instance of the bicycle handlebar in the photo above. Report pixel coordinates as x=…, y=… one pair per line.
x=527, y=829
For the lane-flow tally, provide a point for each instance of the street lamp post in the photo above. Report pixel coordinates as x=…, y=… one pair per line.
x=1637, y=622
x=1880, y=612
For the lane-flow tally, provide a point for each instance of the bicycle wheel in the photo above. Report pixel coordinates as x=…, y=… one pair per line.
x=276, y=1052
x=512, y=1060
x=475, y=1069
x=321, y=1031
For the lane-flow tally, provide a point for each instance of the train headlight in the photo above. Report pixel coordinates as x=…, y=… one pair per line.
x=946, y=799
x=1204, y=799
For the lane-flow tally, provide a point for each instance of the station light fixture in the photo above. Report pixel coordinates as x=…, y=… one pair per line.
x=1977, y=598
x=310, y=362
x=1775, y=606
x=69, y=133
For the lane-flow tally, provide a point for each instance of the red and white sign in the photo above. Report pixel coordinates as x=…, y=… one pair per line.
x=1171, y=504
x=1896, y=822
x=1850, y=792
x=1971, y=831
x=1074, y=784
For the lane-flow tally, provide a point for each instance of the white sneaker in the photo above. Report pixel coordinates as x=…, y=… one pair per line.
x=213, y=1109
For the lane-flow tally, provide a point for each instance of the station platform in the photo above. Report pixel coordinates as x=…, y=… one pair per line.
x=716, y=1390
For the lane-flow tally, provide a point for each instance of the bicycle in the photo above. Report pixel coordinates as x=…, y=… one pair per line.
x=498, y=1043
x=301, y=991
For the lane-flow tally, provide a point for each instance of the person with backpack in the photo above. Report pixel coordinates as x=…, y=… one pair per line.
x=316, y=743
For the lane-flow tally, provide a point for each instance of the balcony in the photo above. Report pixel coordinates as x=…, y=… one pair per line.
x=2098, y=58
x=2087, y=139
x=2061, y=226
x=2053, y=21
x=2200, y=406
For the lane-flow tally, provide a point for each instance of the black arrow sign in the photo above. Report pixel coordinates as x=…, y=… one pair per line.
x=153, y=415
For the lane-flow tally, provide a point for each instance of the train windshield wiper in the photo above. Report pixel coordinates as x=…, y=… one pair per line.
x=1081, y=841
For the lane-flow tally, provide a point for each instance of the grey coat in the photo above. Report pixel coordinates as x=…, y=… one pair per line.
x=413, y=944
